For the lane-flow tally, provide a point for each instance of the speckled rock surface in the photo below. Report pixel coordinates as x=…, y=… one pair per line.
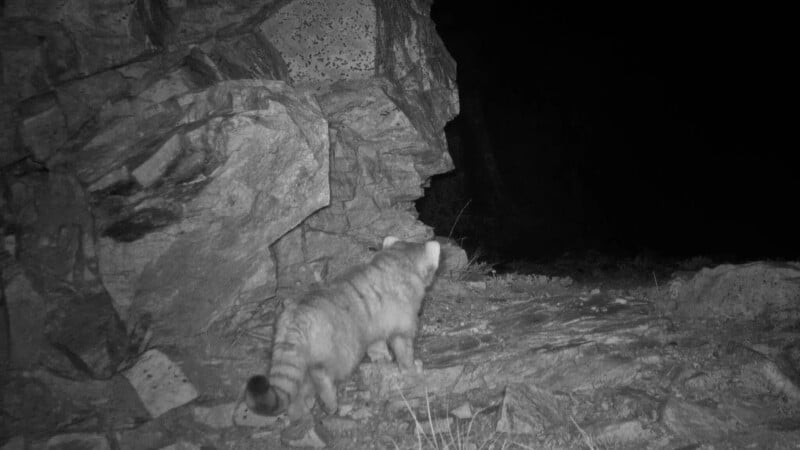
x=323, y=42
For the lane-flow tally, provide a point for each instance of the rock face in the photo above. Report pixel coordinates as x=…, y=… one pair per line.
x=758, y=290
x=387, y=95
x=245, y=162
x=164, y=164
x=54, y=294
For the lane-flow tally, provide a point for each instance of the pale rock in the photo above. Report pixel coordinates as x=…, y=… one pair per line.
x=154, y=168
x=462, y=411
x=243, y=417
x=160, y=383
x=340, y=34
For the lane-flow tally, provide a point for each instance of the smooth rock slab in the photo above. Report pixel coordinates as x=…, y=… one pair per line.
x=160, y=383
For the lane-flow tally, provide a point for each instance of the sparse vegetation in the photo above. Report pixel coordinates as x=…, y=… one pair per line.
x=458, y=439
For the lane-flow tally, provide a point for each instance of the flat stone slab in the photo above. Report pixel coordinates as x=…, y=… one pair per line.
x=160, y=383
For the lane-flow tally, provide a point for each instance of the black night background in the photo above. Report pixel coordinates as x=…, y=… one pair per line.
x=621, y=129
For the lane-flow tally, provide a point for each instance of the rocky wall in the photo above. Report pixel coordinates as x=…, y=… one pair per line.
x=165, y=163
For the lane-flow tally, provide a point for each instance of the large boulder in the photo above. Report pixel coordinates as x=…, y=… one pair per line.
x=244, y=163
x=759, y=290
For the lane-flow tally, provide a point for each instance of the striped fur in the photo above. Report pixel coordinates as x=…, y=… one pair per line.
x=322, y=337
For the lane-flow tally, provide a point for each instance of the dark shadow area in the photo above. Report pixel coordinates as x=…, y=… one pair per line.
x=620, y=130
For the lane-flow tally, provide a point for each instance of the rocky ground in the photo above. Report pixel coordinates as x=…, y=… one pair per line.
x=598, y=354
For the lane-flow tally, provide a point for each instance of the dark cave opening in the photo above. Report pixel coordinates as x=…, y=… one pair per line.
x=619, y=130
